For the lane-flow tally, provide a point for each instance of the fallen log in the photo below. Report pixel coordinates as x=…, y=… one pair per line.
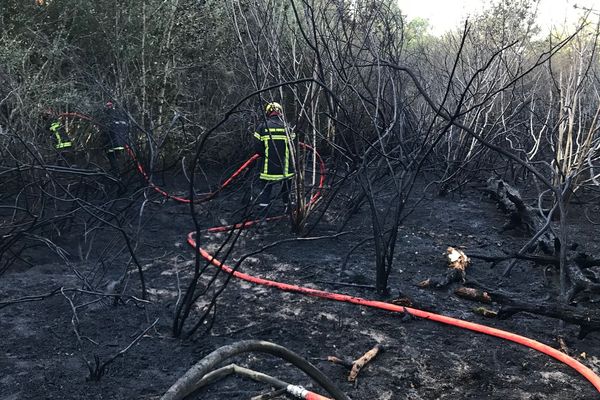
x=587, y=319
x=509, y=200
x=575, y=269
x=538, y=259
x=473, y=294
x=584, y=261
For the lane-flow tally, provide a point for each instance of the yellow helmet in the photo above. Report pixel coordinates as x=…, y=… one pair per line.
x=273, y=107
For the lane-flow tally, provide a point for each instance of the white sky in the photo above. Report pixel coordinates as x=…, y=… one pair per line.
x=447, y=14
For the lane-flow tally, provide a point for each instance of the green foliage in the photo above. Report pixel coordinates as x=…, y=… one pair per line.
x=508, y=20
x=417, y=28
x=199, y=57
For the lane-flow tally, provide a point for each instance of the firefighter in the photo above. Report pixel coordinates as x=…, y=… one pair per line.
x=61, y=140
x=115, y=127
x=274, y=143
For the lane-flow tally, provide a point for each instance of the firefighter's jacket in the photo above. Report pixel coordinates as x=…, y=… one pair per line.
x=61, y=140
x=116, y=130
x=275, y=147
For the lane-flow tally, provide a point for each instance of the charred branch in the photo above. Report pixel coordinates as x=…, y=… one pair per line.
x=355, y=366
x=587, y=319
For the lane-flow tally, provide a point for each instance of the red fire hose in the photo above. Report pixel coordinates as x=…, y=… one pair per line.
x=205, y=197
x=524, y=341
x=533, y=344
x=209, y=196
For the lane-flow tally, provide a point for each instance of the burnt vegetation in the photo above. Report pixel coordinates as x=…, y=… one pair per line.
x=495, y=110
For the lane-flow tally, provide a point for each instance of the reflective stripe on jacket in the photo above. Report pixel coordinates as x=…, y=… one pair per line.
x=62, y=141
x=276, y=161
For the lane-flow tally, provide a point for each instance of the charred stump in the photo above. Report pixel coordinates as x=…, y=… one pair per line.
x=519, y=213
x=457, y=262
x=580, y=281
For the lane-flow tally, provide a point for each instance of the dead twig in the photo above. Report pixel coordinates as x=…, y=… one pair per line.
x=63, y=290
x=357, y=365
x=362, y=361
x=100, y=370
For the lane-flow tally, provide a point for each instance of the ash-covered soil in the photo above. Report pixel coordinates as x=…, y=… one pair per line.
x=41, y=358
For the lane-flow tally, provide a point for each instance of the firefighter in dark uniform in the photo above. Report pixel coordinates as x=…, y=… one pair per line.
x=274, y=144
x=115, y=126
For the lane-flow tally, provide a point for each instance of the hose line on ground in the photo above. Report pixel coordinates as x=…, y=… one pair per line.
x=294, y=390
x=209, y=196
x=188, y=382
x=524, y=341
x=205, y=197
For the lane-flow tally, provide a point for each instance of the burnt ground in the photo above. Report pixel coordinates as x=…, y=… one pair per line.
x=40, y=357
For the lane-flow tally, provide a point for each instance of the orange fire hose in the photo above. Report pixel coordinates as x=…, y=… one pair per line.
x=586, y=372
x=205, y=197
x=533, y=344
x=522, y=340
x=209, y=196
x=315, y=396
